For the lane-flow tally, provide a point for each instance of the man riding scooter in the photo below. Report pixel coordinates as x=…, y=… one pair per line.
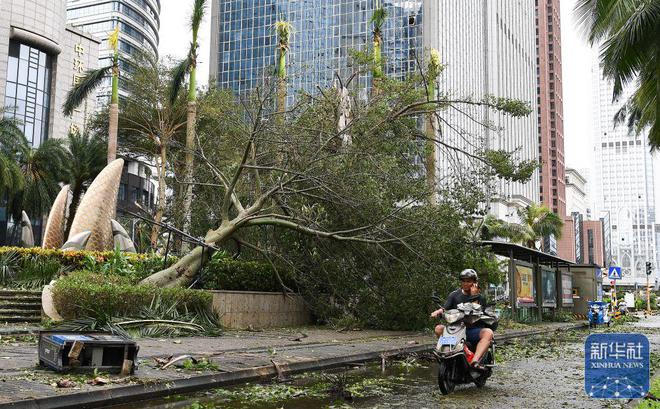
x=477, y=334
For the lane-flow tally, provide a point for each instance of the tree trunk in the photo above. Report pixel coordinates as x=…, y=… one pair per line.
x=73, y=206
x=112, y=132
x=430, y=159
x=162, y=186
x=181, y=273
x=190, y=147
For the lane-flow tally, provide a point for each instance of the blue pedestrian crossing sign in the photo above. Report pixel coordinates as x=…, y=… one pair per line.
x=614, y=273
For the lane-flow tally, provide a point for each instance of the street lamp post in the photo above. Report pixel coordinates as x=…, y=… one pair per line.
x=648, y=288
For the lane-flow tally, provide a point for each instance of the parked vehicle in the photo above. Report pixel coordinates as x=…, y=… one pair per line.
x=598, y=313
x=454, y=354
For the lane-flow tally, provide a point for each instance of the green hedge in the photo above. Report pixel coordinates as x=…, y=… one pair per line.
x=224, y=273
x=220, y=273
x=19, y=266
x=88, y=294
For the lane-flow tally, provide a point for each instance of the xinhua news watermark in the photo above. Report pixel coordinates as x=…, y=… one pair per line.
x=616, y=366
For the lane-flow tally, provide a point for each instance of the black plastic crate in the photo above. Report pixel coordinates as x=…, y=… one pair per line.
x=100, y=350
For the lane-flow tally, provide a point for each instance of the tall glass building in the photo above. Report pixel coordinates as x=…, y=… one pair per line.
x=488, y=47
x=243, y=40
x=138, y=22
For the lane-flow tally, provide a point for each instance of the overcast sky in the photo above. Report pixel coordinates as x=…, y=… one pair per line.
x=576, y=59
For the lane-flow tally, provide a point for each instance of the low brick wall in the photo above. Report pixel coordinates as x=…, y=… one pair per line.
x=242, y=309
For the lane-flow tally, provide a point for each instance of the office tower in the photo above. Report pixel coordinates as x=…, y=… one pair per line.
x=40, y=59
x=623, y=185
x=487, y=48
x=138, y=22
x=550, y=106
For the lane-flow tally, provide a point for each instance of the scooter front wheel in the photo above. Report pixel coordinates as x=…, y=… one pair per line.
x=445, y=383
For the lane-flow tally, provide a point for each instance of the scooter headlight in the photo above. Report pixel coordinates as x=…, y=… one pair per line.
x=453, y=316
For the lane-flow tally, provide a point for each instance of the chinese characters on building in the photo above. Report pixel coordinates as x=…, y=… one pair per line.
x=78, y=74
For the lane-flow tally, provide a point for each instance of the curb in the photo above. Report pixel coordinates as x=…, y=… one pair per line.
x=134, y=393
x=19, y=332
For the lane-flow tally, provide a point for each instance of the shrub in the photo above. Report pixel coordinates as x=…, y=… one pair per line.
x=225, y=273
x=19, y=267
x=90, y=294
x=35, y=272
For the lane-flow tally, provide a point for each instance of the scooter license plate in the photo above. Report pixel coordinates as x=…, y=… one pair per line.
x=447, y=341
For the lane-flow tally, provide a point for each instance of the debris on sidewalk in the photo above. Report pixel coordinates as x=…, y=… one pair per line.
x=65, y=383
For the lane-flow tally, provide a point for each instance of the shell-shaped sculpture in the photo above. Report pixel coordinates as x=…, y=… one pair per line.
x=121, y=237
x=98, y=207
x=77, y=241
x=54, y=232
x=27, y=236
x=47, y=304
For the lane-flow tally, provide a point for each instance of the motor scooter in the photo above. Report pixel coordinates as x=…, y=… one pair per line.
x=454, y=354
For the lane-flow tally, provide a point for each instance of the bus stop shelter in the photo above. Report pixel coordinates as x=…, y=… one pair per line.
x=539, y=281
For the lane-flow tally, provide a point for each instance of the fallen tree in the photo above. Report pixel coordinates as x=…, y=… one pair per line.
x=293, y=170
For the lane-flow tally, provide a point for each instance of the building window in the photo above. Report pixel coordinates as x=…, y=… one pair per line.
x=122, y=191
x=27, y=93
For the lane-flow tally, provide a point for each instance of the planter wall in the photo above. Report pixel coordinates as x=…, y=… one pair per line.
x=243, y=309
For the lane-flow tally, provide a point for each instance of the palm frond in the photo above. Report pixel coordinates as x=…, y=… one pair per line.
x=178, y=76
x=199, y=9
x=77, y=95
x=284, y=29
x=378, y=18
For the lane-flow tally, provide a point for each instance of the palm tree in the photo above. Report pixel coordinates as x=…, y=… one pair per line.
x=42, y=169
x=283, y=29
x=150, y=122
x=85, y=161
x=378, y=20
x=189, y=66
x=629, y=34
x=90, y=81
x=12, y=141
x=536, y=222
x=433, y=70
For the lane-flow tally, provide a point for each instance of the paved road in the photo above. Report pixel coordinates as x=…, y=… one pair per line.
x=551, y=377
x=545, y=372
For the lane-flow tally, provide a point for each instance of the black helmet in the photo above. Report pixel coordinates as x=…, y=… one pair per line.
x=468, y=273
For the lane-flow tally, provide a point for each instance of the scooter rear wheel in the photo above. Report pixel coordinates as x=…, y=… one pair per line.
x=444, y=381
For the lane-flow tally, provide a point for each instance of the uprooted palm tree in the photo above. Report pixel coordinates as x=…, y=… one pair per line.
x=90, y=81
x=536, y=222
x=189, y=66
x=628, y=32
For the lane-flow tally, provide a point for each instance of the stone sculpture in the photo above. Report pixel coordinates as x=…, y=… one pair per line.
x=54, y=232
x=98, y=207
x=121, y=237
x=27, y=236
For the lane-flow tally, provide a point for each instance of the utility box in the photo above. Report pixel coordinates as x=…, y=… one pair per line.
x=67, y=350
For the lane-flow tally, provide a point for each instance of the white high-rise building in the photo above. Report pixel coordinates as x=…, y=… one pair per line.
x=623, y=186
x=577, y=193
x=488, y=48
